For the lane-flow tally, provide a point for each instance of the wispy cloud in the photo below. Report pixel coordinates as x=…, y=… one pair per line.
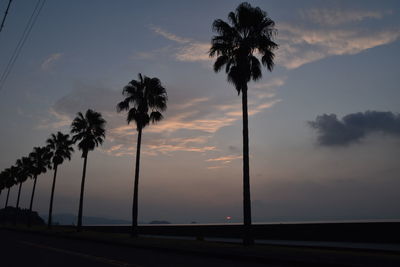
x=333, y=17
x=54, y=120
x=300, y=45
x=225, y=159
x=50, y=60
x=200, y=118
x=188, y=49
x=170, y=36
x=193, y=52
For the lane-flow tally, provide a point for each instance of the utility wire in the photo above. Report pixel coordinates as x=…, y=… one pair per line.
x=24, y=37
x=5, y=15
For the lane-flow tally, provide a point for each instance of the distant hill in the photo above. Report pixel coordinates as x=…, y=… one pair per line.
x=159, y=222
x=71, y=219
x=10, y=214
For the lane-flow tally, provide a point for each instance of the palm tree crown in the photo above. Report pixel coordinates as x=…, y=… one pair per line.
x=10, y=176
x=60, y=146
x=250, y=31
x=145, y=99
x=24, y=166
x=88, y=130
x=40, y=160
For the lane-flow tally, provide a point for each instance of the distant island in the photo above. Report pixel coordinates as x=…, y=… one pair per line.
x=159, y=222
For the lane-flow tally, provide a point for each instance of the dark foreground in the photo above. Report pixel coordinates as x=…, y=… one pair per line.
x=33, y=249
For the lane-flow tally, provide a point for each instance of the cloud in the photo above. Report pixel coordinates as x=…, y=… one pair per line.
x=300, y=45
x=188, y=50
x=354, y=127
x=225, y=159
x=55, y=120
x=170, y=36
x=194, y=52
x=49, y=62
x=334, y=17
x=189, y=125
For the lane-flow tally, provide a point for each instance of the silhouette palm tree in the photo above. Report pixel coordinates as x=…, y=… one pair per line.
x=23, y=166
x=249, y=31
x=60, y=148
x=2, y=181
x=89, y=131
x=40, y=157
x=145, y=99
x=9, y=181
x=22, y=174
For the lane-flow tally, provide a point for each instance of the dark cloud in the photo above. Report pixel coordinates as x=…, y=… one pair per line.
x=354, y=127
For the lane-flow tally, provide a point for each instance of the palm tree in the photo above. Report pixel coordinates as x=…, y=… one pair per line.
x=22, y=174
x=10, y=181
x=2, y=181
x=89, y=131
x=249, y=31
x=145, y=99
x=40, y=157
x=9, y=176
x=60, y=148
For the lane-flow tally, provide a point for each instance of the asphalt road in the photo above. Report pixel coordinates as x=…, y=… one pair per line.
x=24, y=249
x=28, y=249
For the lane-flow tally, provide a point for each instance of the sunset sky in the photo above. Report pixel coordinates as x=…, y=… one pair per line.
x=335, y=57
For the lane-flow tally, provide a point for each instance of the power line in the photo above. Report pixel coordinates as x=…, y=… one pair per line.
x=5, y=15
x=22, y=40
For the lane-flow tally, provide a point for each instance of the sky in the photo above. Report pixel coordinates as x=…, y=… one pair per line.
x=324, y=125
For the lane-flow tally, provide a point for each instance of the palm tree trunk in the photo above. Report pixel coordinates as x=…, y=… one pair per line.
x=81, y=197
x=52, y=197
x=8, y=194
x=247, y=235
x=30, y=205
x=134, y=232
x=17, y=206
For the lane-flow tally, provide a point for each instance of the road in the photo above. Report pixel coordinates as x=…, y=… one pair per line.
x=24, y=249
x=28, y=249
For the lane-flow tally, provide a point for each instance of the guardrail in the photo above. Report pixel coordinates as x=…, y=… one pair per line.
x=387, y=232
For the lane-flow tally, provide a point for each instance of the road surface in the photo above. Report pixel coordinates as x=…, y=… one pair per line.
x=28, y=249
x=24, y=249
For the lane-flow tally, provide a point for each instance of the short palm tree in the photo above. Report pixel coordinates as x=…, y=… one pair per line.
x=2, y=181
x=10, y=181
x=89, y=131
x=60, y=148
x=23, y=166
x=249, y=32
x=40, y=157
x=145, y=99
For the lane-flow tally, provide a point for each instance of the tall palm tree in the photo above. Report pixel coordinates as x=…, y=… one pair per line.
x=249, y=32
x=89, y=131
x=40, y=157
x=145, y=99
x=60, y=148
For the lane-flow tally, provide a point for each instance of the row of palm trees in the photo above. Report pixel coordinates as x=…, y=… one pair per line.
x=88, y=132
x=248, y=33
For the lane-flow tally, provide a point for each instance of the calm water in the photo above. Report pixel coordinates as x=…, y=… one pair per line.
x=255, y=223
